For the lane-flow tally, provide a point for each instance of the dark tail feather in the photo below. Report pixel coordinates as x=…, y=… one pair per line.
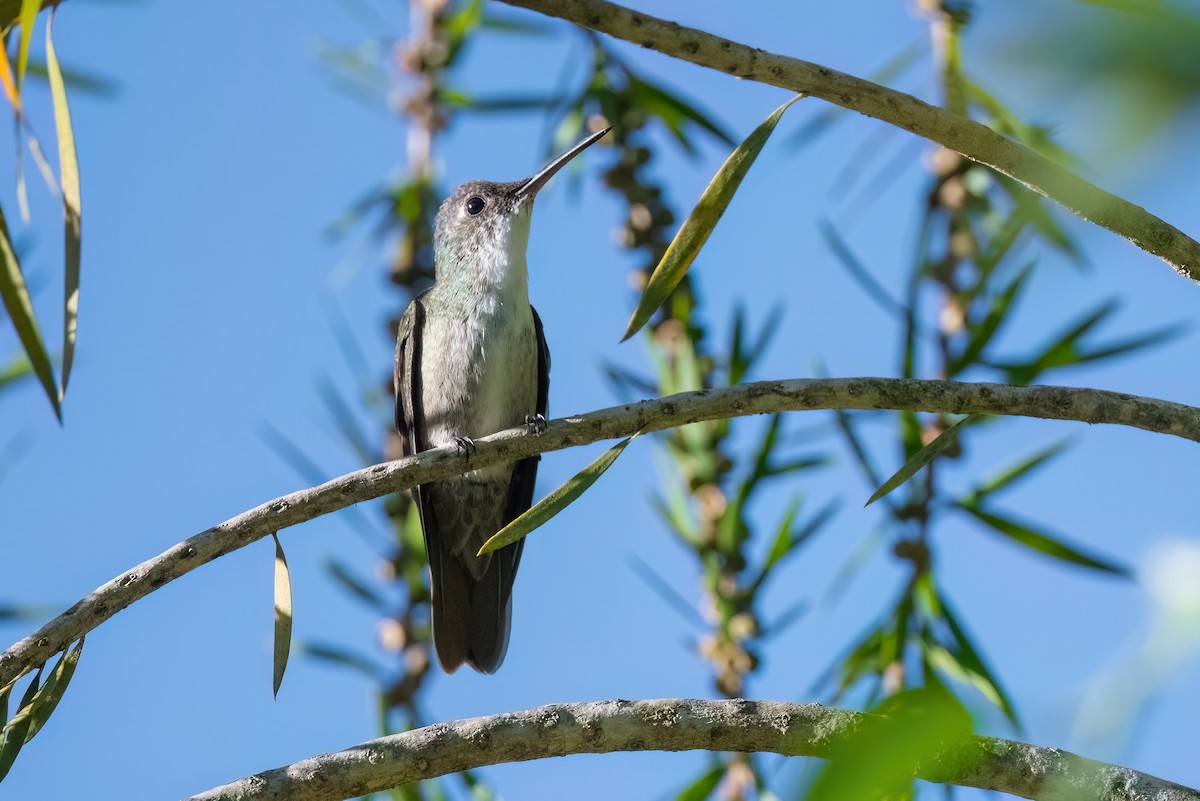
x=491, y=616
x=472, y=619
x=450, y=593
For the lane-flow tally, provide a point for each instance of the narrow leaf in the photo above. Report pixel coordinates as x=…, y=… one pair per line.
x=29, y=11
x=556, y=501
x=9, y=81
x=52, y=691
x=20, y=310
x=970, y=658
x=704, y=785
x=700, y=223
x=72, y=209
x=1043, y=543
x=857, y=270
x=355, y=585
x=283, y=614
x=16, y=729
x=343, y=657
x=1018, y=471
x=981, y=333
x=782, y=543
x=920, y=459
x=666, y=592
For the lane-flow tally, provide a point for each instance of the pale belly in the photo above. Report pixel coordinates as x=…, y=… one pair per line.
x=478, y=377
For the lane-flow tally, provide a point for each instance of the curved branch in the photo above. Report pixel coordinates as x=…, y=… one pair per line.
x=950, y=397
x=603, y=727
x=973, y=140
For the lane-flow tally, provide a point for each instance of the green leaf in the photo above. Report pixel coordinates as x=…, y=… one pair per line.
x=979, y=673
x=782, y=543
x=920, y=459
x=343, y=657
x=542, y=511
x=667, y=593
x=1021, y=469
x=52, y=691
x=674, y=510
x=1042, y=543
x=72, y=208
x=981, y=334
x=788, y=539
x=845, y=424
x=54, y=688
x=1133, y=343
x=15, y=730
x=507, y=103
x=283, y=614
x=29, y=12
x=17, y=369
x=20, y=310
x=460, y=25
x=879, y=759
x=1062, y=352
x=700, y=223
x=1041, y=216
x=703, y=786
x=355, y=585
x=857, y=270
x=817, y=125
x=673, y=112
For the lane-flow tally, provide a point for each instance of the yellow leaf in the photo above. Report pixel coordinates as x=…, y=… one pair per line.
x=72, y=207
x=283, y=614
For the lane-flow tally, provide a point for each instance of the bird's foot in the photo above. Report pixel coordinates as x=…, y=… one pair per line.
x=537, y=423
x=465, y=446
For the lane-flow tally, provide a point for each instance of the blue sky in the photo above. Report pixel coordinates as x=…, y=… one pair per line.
x=209, y=178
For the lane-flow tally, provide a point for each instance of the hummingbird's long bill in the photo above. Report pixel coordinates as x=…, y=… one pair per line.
x=535, y=183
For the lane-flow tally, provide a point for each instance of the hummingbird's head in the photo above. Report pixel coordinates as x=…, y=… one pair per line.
x=483, y=220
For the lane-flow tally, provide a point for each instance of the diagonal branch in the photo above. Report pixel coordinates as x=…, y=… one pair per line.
x=948, y=397
x=603, y=727
x=973, y=140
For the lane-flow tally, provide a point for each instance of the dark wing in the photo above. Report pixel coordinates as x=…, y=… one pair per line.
x=407, y=378
x=449, y=586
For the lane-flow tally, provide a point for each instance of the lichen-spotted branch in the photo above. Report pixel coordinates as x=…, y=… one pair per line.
x=603, y=727
x=946, y=397
x=973, y=140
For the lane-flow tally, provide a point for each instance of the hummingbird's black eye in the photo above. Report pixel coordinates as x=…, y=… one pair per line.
x=475, y=205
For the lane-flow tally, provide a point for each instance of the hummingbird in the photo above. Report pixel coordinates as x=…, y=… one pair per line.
x=471, y=359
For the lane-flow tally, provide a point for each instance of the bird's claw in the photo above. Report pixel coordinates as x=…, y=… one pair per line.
x=537, y=423
x=465, y=446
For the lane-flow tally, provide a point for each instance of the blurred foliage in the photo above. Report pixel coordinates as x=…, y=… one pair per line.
x=918, y=665
x=1138, y=55
x=969, y=270
x=14, y=292
x=904, y=731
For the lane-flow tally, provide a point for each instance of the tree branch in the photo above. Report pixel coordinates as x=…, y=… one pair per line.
x=973, y=140
x=604, y=727
x=1052, y=403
